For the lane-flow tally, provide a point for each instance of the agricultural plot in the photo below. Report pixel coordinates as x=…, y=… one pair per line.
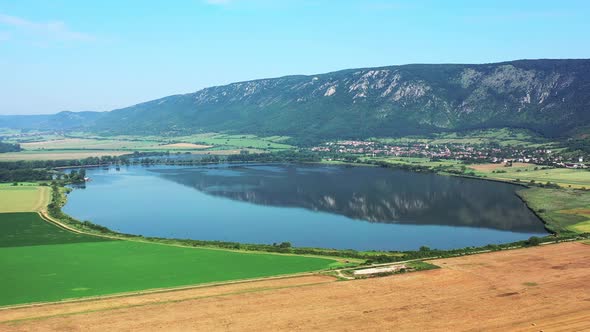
x=565, y=177
x=420, y=162
x=238, y=141
x=58, y=154
x=23, y=198
x=28, y=229
x=561, y=209
x=41, y=262
x=503, y=137
x=536, y=289
x=89, y=144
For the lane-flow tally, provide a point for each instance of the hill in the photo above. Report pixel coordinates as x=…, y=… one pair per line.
x=551, y=97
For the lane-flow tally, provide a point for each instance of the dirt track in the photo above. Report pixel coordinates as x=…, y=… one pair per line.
x=544, y=288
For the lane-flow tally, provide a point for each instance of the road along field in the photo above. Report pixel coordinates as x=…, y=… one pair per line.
x=22, y=198
x=536, y=289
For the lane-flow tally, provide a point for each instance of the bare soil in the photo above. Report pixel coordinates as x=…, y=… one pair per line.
x=544, y=288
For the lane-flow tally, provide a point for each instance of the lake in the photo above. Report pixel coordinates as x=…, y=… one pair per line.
x=362, y=208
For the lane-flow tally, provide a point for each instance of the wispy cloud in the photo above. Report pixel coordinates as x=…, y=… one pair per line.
x=55, y=30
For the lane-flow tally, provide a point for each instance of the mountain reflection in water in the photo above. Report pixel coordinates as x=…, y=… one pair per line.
x=367, y=193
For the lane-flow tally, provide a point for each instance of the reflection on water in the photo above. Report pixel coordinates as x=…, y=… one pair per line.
x=371, y=194
x=308, y=205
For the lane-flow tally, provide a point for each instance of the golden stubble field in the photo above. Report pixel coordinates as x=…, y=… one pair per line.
x=537, y=289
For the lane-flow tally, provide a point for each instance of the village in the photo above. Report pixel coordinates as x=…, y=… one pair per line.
x=476, y=153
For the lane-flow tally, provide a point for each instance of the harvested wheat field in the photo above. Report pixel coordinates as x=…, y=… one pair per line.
x=537, y=289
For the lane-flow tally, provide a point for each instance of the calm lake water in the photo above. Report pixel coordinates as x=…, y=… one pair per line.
x=359, y=208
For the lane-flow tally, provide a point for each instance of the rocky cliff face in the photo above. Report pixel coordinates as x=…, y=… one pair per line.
x=549, y=96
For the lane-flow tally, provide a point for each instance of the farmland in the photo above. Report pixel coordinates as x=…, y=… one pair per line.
x=541, y=288
x=22, y=198
x=561, y=209
x=42, y=262
x=565, y=177
x=28, y=229
x=83, y=145
x=58, y=154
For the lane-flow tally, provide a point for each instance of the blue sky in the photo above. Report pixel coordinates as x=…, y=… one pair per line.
x=101, y=55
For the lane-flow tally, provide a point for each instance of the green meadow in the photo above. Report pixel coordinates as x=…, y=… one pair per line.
x=41, y=262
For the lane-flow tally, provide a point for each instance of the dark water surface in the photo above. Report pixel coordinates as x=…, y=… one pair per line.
x=359, y=208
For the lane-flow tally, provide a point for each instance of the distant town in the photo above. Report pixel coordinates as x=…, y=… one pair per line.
x=479, y=153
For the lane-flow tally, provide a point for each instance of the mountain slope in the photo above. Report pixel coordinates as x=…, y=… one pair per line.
x=61, y=121
x=548, y=96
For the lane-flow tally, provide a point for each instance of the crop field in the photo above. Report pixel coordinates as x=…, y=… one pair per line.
x=23, y=198
x=565, y=177
x=89, y=144
x=536, y=289
x=41, y=262
x=238, y=141
x=503, y=137
x=414, y=161
x=58, y=154
x=28, y=229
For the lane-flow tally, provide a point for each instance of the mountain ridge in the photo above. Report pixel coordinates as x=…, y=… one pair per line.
x=549, y=96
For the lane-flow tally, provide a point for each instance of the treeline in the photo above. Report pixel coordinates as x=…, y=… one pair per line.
x=9, y=147
x=286, y=156
x=24, y=175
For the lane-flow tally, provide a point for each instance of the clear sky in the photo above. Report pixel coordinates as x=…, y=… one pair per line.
x=100, y=55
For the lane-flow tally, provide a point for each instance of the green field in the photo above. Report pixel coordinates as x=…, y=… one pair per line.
x=238, y=141
x=28, y=229
x=73, y=266
x=23, y=198
x=503, y=137
x=58, y=154
x=565, y=177
x=420, y=162
x=563, y=210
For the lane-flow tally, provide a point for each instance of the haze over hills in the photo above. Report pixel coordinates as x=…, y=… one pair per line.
x=551, y=97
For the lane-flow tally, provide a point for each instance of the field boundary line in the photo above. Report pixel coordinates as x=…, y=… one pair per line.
x=160, y=302
x=164, y=290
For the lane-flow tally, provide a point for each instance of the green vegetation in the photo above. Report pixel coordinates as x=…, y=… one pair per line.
x=29, y=229
x=563, y=210
x=497, y=136
x=9, y=147
x=224, y=141
x=55, y=272
x=22, y=198
x=565, y=177
x=41, y=262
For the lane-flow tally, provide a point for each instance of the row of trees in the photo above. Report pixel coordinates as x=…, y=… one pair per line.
x=9, y=147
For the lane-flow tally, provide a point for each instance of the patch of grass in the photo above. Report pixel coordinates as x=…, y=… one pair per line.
x=23, y=198
x=421, y=266
x=565, y=177
x=581, y=227
x=29, y=229
x=562, y=210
